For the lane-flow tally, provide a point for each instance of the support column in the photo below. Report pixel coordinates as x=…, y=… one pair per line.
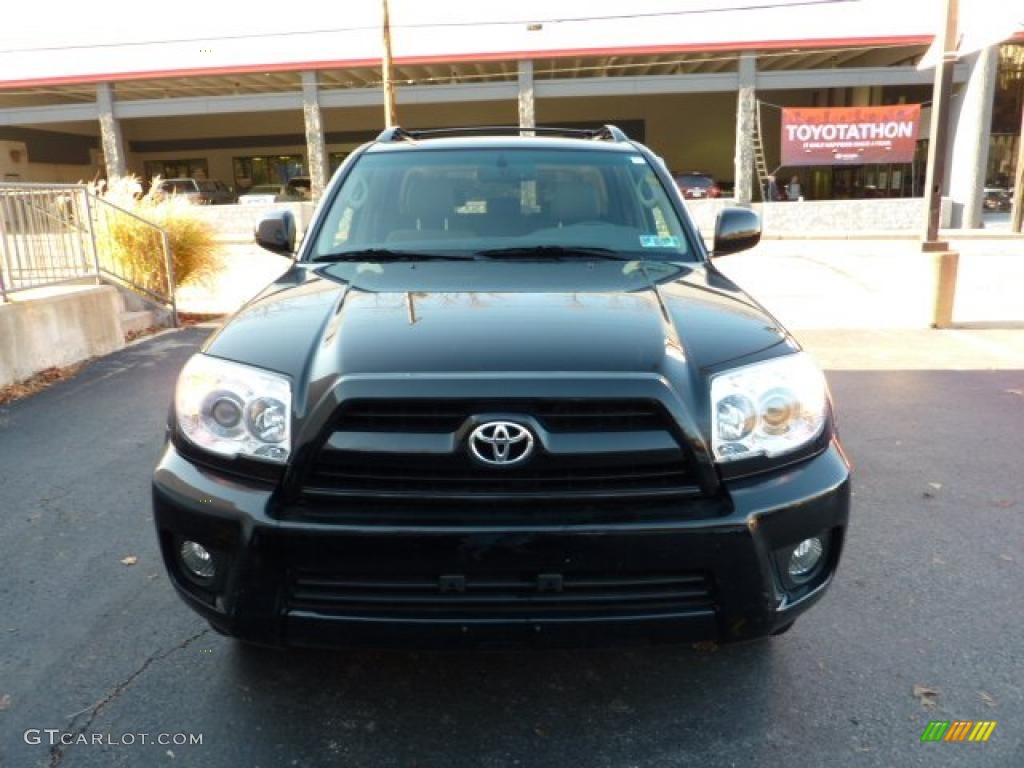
x=316, y=150
x=746, y=110
x=860, y=96
x=110, y=132
x=527, y=113
x=973, y=121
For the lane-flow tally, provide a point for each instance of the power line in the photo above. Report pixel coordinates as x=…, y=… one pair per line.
x=649, y=15
x=433, y=25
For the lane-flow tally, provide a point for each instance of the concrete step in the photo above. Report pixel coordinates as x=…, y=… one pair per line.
x=134, y=322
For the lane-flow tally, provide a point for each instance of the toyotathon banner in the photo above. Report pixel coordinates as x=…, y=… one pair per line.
x=849, y=135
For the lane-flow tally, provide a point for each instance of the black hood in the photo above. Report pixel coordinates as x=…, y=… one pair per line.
x=491, y=316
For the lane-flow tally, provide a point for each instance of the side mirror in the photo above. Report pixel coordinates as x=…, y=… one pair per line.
x=736, y=229
x=276, y=232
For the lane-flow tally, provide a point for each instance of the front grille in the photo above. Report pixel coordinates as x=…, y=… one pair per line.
x=434, y=415
x=457, y=477
x=532, y=596
x=642, y=457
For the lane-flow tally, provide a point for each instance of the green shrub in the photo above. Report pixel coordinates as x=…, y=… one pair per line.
x=134, y=251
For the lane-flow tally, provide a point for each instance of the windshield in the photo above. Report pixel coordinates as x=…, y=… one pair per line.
x=480, y=200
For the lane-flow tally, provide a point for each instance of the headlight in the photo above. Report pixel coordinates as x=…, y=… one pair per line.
x=234, y=410
x=767, y=409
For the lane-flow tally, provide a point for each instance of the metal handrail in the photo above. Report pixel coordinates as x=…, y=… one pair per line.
x=39, y=185
x=53, y=234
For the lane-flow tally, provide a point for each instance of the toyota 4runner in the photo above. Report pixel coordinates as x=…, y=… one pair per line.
x=502, y=396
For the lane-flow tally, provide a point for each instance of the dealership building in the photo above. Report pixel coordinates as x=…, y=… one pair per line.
x=704, y=86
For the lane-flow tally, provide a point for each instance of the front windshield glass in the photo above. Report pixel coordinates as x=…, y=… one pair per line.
x=479, y=200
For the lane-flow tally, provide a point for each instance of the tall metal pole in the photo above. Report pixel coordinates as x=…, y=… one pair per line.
x=1017, y=210
x=942, y=93
x=390, y=117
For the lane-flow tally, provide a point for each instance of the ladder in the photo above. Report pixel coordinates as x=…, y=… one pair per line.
x=760, y=162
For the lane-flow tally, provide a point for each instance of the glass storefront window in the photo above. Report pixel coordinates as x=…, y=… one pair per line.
x=191, y=168
x=267, y=169
x=335, y=159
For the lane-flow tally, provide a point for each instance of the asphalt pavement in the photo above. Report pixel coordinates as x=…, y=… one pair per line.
x=928, y=594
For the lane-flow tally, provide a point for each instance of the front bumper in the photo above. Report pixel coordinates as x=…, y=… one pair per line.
x=266, y=563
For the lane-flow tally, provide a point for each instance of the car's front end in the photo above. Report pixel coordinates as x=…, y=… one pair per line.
x=440, y=451
x=428, y=558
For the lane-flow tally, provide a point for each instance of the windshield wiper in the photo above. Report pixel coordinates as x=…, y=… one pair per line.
x=388, y=254
x=554, y=251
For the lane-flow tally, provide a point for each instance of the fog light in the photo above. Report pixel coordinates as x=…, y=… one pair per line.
x=805, y=558
x=198, y=561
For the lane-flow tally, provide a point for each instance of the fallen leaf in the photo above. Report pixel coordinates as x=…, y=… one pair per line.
x=926, y=696
x=1007, y=558
x=1003, y=503
x=5, y=702
x=936, y=560
x=130, y=560
x=38, y=382
x=1018, y=392
x=932, y=489
x=987, y=698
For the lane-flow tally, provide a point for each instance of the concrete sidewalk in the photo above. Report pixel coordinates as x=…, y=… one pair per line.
x=879, y=284
x=916, y=349
x=805, y=283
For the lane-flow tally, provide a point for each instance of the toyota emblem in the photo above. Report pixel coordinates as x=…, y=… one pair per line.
x=501, y=443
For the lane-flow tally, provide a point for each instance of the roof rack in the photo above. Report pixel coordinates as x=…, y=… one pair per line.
x=394, y=133
x=605, y=132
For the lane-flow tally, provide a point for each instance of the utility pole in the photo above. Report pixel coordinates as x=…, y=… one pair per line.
x=390, y=117
x=948, y=261
x=1017, y=210
x=942, y=93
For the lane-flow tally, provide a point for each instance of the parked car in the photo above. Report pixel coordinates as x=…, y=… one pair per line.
x=198, y=191
x=502, y=395
x=261, y=194
x=299, y=188
x=997, y=199
x=697, y=185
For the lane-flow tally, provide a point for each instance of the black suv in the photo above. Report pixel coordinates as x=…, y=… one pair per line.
x=502, y=396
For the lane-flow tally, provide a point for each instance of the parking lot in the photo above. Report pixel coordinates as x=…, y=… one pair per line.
x=94, y=642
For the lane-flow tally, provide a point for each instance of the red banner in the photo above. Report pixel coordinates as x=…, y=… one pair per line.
x=849, y=135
